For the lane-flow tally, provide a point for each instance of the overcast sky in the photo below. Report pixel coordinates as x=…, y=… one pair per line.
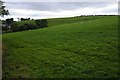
x=38, y=10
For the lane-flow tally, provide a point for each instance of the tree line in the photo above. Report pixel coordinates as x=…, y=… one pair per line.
x=94, y=15
x=13, y=26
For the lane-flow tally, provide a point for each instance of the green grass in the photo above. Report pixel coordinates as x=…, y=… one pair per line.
x=59, y=21
x=71, y=50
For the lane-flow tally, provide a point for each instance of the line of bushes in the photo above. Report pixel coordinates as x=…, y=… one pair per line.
x=28, y=26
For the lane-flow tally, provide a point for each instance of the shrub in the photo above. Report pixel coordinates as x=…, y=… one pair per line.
x=14, y=27
x=28, y=26
x=5, y=28
x=21, y=28
x=41, y=23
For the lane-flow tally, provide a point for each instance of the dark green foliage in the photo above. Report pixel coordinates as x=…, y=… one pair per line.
x=14, y=27
x=21, y=28
x=37, y=22
x=9, y=21
x=29, y=26
x=41, y=23
x=4, y=28
x=6, y=24
x=44, y=23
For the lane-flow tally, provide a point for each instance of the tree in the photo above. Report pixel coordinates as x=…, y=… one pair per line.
x=41, y=23
x=27, y=18
x=9, y=21
x=24, y=19
x=44, y=22
x=3, y=11
x=14, y=27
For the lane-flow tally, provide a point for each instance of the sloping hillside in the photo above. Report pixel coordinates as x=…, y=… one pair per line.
x=59, y=21
x=77, y=49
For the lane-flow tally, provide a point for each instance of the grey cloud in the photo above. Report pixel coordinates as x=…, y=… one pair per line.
x=55, y=6
x=110, y=10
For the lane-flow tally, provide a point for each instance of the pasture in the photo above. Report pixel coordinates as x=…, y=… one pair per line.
x=86, y=47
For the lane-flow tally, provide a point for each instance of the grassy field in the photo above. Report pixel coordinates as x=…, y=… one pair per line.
x=59, y=21
x=80, y=49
